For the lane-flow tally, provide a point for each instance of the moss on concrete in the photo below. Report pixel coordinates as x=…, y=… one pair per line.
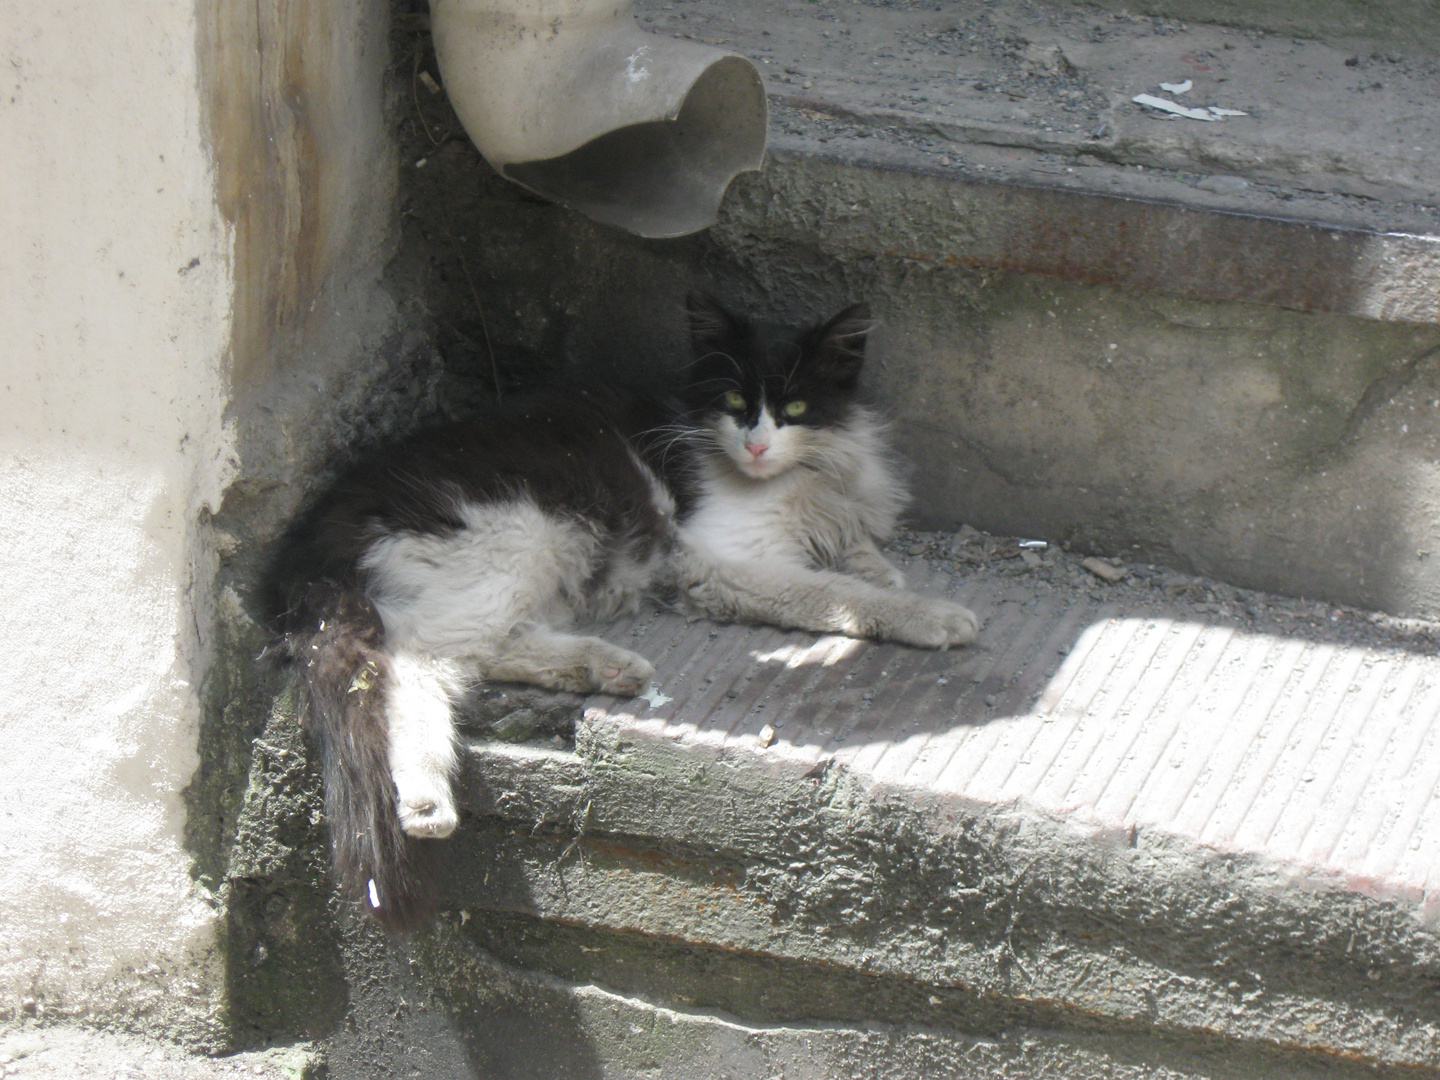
x=237, y=696
x=255, y=827
x=285, y=977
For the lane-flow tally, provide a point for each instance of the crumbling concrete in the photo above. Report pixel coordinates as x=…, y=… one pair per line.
x=630, y=896
x=64, y=1052
x=528, y=1025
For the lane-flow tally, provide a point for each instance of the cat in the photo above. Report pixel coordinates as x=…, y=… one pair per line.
x=759, y=491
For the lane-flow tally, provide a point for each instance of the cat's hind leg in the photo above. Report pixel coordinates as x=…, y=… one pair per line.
x=559, y=661
x=418, y=709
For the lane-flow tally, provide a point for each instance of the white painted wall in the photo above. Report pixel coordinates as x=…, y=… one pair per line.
x=196, y=201
x=114, y=325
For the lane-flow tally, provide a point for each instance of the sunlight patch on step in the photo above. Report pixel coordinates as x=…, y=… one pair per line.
x=828, y=651
x=1320, y=753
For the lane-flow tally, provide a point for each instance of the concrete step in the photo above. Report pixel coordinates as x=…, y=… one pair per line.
x=1156, y=824
x=1322, y=197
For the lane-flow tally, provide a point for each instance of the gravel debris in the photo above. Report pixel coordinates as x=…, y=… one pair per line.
x=996, y=564
x=1102, y=569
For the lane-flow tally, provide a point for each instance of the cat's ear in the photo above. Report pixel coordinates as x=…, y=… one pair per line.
x=839, y=345
x=712, y=328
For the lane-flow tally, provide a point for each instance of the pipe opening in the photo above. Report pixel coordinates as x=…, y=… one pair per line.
x=664, y=177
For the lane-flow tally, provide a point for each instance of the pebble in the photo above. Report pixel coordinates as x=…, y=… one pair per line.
x=915, y=549
x=1102, y=569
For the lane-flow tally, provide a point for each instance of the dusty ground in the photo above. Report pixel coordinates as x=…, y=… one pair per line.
x=69, y=1053
x=1144, y=589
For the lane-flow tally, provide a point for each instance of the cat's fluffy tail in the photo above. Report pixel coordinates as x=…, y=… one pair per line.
x=335, y=635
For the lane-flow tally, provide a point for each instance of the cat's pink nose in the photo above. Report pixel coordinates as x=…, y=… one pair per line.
x=757, y=448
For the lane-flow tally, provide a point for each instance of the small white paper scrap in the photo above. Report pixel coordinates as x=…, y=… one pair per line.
x=656, y=698
x=1218, y=111
x=374, y=893
x=1171, y=107
x=1176, y=87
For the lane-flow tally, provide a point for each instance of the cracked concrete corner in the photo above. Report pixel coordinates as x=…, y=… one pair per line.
x=1384, y=390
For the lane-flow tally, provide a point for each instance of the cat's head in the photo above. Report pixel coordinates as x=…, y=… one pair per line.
x=773, y=399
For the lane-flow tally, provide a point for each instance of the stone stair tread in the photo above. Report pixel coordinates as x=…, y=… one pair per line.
x=1126, y=711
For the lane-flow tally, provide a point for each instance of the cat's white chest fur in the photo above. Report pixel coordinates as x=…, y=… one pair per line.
x=842, y=495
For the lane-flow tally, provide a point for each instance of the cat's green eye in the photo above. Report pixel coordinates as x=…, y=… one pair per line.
x=795, y=408
x=734, y=400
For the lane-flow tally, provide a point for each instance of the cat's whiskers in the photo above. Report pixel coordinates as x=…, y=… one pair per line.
x=690, y=437
x=721, y=353
x=678, y=435
x=466, y=566
x=799, y=355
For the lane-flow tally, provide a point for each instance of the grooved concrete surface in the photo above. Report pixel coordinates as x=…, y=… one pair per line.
x=1122, y=711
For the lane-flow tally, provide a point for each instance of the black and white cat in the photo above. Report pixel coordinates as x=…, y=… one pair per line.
x=757, y=492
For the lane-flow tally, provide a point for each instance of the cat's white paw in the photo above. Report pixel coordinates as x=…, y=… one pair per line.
x=426, y=807
x=619, y=671
x=937, y=624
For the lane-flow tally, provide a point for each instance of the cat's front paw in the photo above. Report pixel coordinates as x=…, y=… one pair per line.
x=937, y=624
x=618, y=671
x=426, y=807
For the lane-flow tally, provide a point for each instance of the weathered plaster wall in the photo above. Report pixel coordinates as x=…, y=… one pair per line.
x=116, y=266
x=195, y=209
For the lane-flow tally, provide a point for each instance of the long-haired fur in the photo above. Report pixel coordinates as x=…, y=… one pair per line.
x=334, y=636
x=759, y=491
